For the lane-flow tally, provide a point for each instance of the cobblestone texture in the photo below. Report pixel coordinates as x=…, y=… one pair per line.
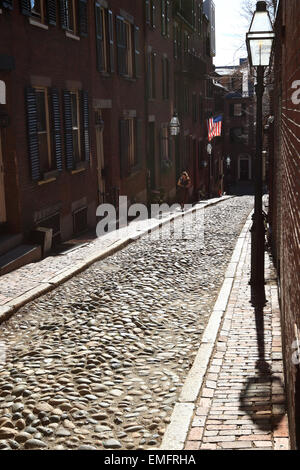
x=100, y=361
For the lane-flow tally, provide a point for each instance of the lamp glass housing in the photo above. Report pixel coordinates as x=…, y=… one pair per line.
x=260, y=39
x=174, y=125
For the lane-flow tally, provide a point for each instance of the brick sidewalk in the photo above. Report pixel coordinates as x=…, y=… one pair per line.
x=239, y=406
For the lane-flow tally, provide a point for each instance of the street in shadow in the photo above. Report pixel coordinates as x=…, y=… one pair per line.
x=257, y=399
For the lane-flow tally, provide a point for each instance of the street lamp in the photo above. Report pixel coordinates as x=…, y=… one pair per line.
x=174, y=125
x=228, y=162
x=259, y=41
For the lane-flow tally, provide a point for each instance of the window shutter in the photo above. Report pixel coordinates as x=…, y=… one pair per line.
x=86, y=126
x=56, y=122
x=154, y=75
x=139, y=141
x=33, y=143
x=163, y=18
x=82, y=18
x=8, y=4
x=163, y=78
x=121, y=45
x=168, y=12
x=111, y=40
x=124, y=143
x=99, y=38
x=137, y=64
x=68, y=129
x=63, y=14
x=51, y=12
x=25, y=6
x=153, y=19
x=148, y=11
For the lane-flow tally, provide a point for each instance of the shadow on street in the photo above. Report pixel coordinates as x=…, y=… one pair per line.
x=257, y=399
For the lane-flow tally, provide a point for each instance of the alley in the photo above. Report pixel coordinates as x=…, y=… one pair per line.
x=100, y=361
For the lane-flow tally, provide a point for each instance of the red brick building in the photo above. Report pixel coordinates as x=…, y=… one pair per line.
x=74, y=79
x=284, y=137
x=88, y=89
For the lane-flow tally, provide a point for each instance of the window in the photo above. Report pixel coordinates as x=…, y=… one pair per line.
x=127, y=48
x=101, y=38
x=129, y=58
x=71, y=15
x=43, y=129
x=75, y=115
x=200, y=14
x=165, y=5
x=151, y=75
x=177, y=42
x=236, y=110
x=150, y=13
x=37, y=9
x=165, y=78
x=130, y=144
x=186, y=42
x=186, y=99
x=165, y=143
x=44, y=141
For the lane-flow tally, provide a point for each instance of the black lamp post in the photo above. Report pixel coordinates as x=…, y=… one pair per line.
x=259, y=43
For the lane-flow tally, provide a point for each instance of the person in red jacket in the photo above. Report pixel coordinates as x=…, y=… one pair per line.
x=184, y=183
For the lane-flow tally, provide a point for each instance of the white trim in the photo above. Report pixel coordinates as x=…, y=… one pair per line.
x=72, y=36
x=38, y=24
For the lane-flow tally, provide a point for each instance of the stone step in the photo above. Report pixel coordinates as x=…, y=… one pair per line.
x=9, y=241
x=18, y=257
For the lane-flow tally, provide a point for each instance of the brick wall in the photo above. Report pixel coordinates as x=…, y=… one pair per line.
x=285, y=201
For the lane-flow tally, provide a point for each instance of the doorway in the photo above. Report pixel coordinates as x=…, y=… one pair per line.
x=244, y=168
x=99, y=128
x=2, y=188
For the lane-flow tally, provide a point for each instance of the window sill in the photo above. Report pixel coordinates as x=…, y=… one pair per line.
x=79, y=167
x=72, y=36
x=46, y=181
x=38, y=24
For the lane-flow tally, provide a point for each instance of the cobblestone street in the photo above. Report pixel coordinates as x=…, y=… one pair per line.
x=99, y=362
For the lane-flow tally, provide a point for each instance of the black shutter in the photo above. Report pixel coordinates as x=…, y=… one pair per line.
x=85, y=120
x=7, y=4
x=25, y=6
x=63, y=14
x=33, y=143
x=137, y=65
x=111, y=40
x=68, y=129
x=82, y=18
x=168, y=13
x=148, y=11
x=123, y=145
x=99, y=38
x=121, y=45
x=51, y=12
x=139, y=141
x=56, y=126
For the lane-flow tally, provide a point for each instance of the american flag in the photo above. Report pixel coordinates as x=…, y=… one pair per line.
x=214, y=127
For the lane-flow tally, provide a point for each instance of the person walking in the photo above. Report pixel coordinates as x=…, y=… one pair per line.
x=184, y=183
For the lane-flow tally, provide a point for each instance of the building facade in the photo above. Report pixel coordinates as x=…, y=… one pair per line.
x=284, y=141
x=88, y=89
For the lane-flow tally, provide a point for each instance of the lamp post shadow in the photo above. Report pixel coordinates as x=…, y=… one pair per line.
x=257, y=398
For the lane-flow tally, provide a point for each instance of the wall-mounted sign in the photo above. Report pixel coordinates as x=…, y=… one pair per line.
x=2, y=92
